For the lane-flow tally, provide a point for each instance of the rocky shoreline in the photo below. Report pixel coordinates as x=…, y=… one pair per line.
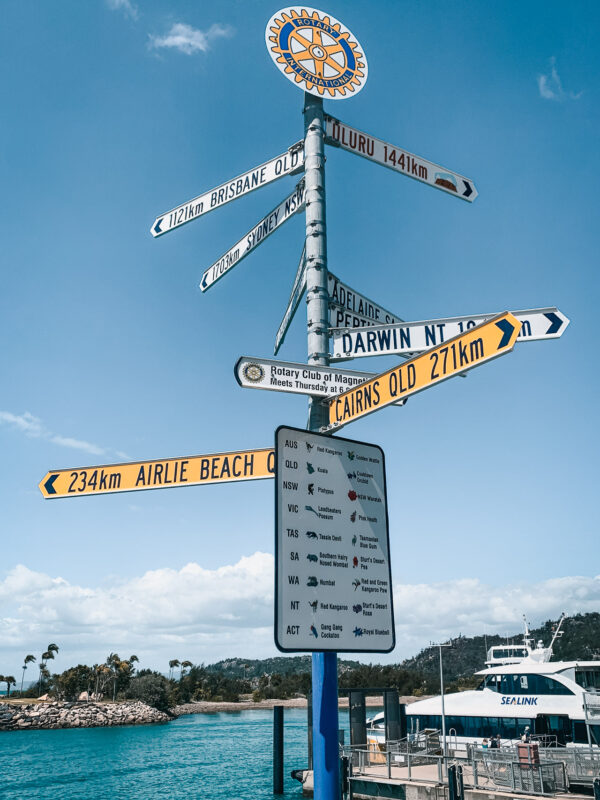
x=59, y=714
x=48, y=716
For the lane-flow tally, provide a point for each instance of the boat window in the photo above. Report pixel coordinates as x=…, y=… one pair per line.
x=531, y=684
x=476, y=727
x=588, y=678
x=489, y=682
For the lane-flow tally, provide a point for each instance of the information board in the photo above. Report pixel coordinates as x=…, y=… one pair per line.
x=333, y=582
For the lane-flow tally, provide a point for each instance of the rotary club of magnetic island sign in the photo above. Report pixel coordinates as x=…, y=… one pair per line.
x=316, y=52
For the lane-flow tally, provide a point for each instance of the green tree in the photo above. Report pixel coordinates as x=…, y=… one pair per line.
x=47, y=656
x=151, y=688
x=184, y=665
x=172, y=664
x=28, y=660
x=70, y=683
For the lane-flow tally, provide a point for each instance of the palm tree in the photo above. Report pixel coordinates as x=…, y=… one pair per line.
x=114, y=663
x=102, y=673
x=28, y=660
x=47, y=656
x=133, y=660
x=172, y=664
x=184, y=665
x=44, y=673
x=8, y=680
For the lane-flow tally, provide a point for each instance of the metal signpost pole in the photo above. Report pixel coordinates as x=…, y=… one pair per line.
x=324, y=665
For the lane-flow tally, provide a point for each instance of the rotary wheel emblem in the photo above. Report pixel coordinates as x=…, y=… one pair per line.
x=253, y=372
x=316, y=52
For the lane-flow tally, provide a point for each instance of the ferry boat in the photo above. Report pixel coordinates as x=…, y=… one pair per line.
x=521, y=692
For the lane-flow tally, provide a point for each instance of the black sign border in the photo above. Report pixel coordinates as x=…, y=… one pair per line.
x=328, y=438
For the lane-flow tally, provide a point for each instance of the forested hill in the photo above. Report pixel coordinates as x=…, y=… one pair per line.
x=581, y=641
x=281, y=665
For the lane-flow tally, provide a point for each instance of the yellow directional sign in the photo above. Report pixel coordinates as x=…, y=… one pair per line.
x=482, y=343
x=242, y=465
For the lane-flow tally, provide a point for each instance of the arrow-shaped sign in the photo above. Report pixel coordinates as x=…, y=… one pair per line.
x=286, y=164
x=254, y=237
x=471, y=349
x=242, y=465
x=414, y=337
x=351, y=309
x=388, y=155
x=298, y=289
x=289, y=376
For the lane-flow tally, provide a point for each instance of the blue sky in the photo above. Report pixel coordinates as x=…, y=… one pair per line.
x=115, y=111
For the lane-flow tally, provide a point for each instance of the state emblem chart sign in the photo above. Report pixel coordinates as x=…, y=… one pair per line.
x=333, y=581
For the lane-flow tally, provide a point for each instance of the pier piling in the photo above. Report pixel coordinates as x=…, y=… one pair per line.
x=278, y=750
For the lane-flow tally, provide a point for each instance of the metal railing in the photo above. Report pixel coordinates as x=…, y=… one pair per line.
x=581, y=764
x=505, y=769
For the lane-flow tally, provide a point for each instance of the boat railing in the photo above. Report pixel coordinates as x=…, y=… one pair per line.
x=591, y=704
x=546, y=740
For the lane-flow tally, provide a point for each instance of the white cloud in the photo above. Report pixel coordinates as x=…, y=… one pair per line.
x=190, y=40
x=551, y=88
x=126, y=6
x=32, y=427
x=206, y=615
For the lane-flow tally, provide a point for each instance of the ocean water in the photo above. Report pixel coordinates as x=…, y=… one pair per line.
x=224, y=756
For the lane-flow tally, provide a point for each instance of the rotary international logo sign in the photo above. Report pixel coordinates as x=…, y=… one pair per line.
x=316, y=52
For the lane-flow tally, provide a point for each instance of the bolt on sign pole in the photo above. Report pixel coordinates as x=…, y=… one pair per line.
x=324, y=665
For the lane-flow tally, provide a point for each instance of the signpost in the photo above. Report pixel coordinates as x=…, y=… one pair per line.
x=332, y=552
x=254, y=237
x=536, y=324
x=289, y=376
x=471, y=349
x=286, y=164
x=333, y=581
x=388, y=155
x=350, y=309
x=241, y=465
x=298, y=289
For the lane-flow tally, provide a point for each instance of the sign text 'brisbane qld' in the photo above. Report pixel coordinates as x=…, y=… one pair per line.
x=350, y=309
x=477, y=346
x=399, y=160
x=241, y=465
x=536, y=324
x=254, y=237
x=285, y=164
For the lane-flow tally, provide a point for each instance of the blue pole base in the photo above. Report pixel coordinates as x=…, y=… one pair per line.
x=325, y=726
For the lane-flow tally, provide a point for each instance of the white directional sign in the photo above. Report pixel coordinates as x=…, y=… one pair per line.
x=333, y=582
x=285, y=164
x=388, y=155
x=298, y=290
x=536, y=324
x=254, y=237
x=289, y=376
x=350, y=309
